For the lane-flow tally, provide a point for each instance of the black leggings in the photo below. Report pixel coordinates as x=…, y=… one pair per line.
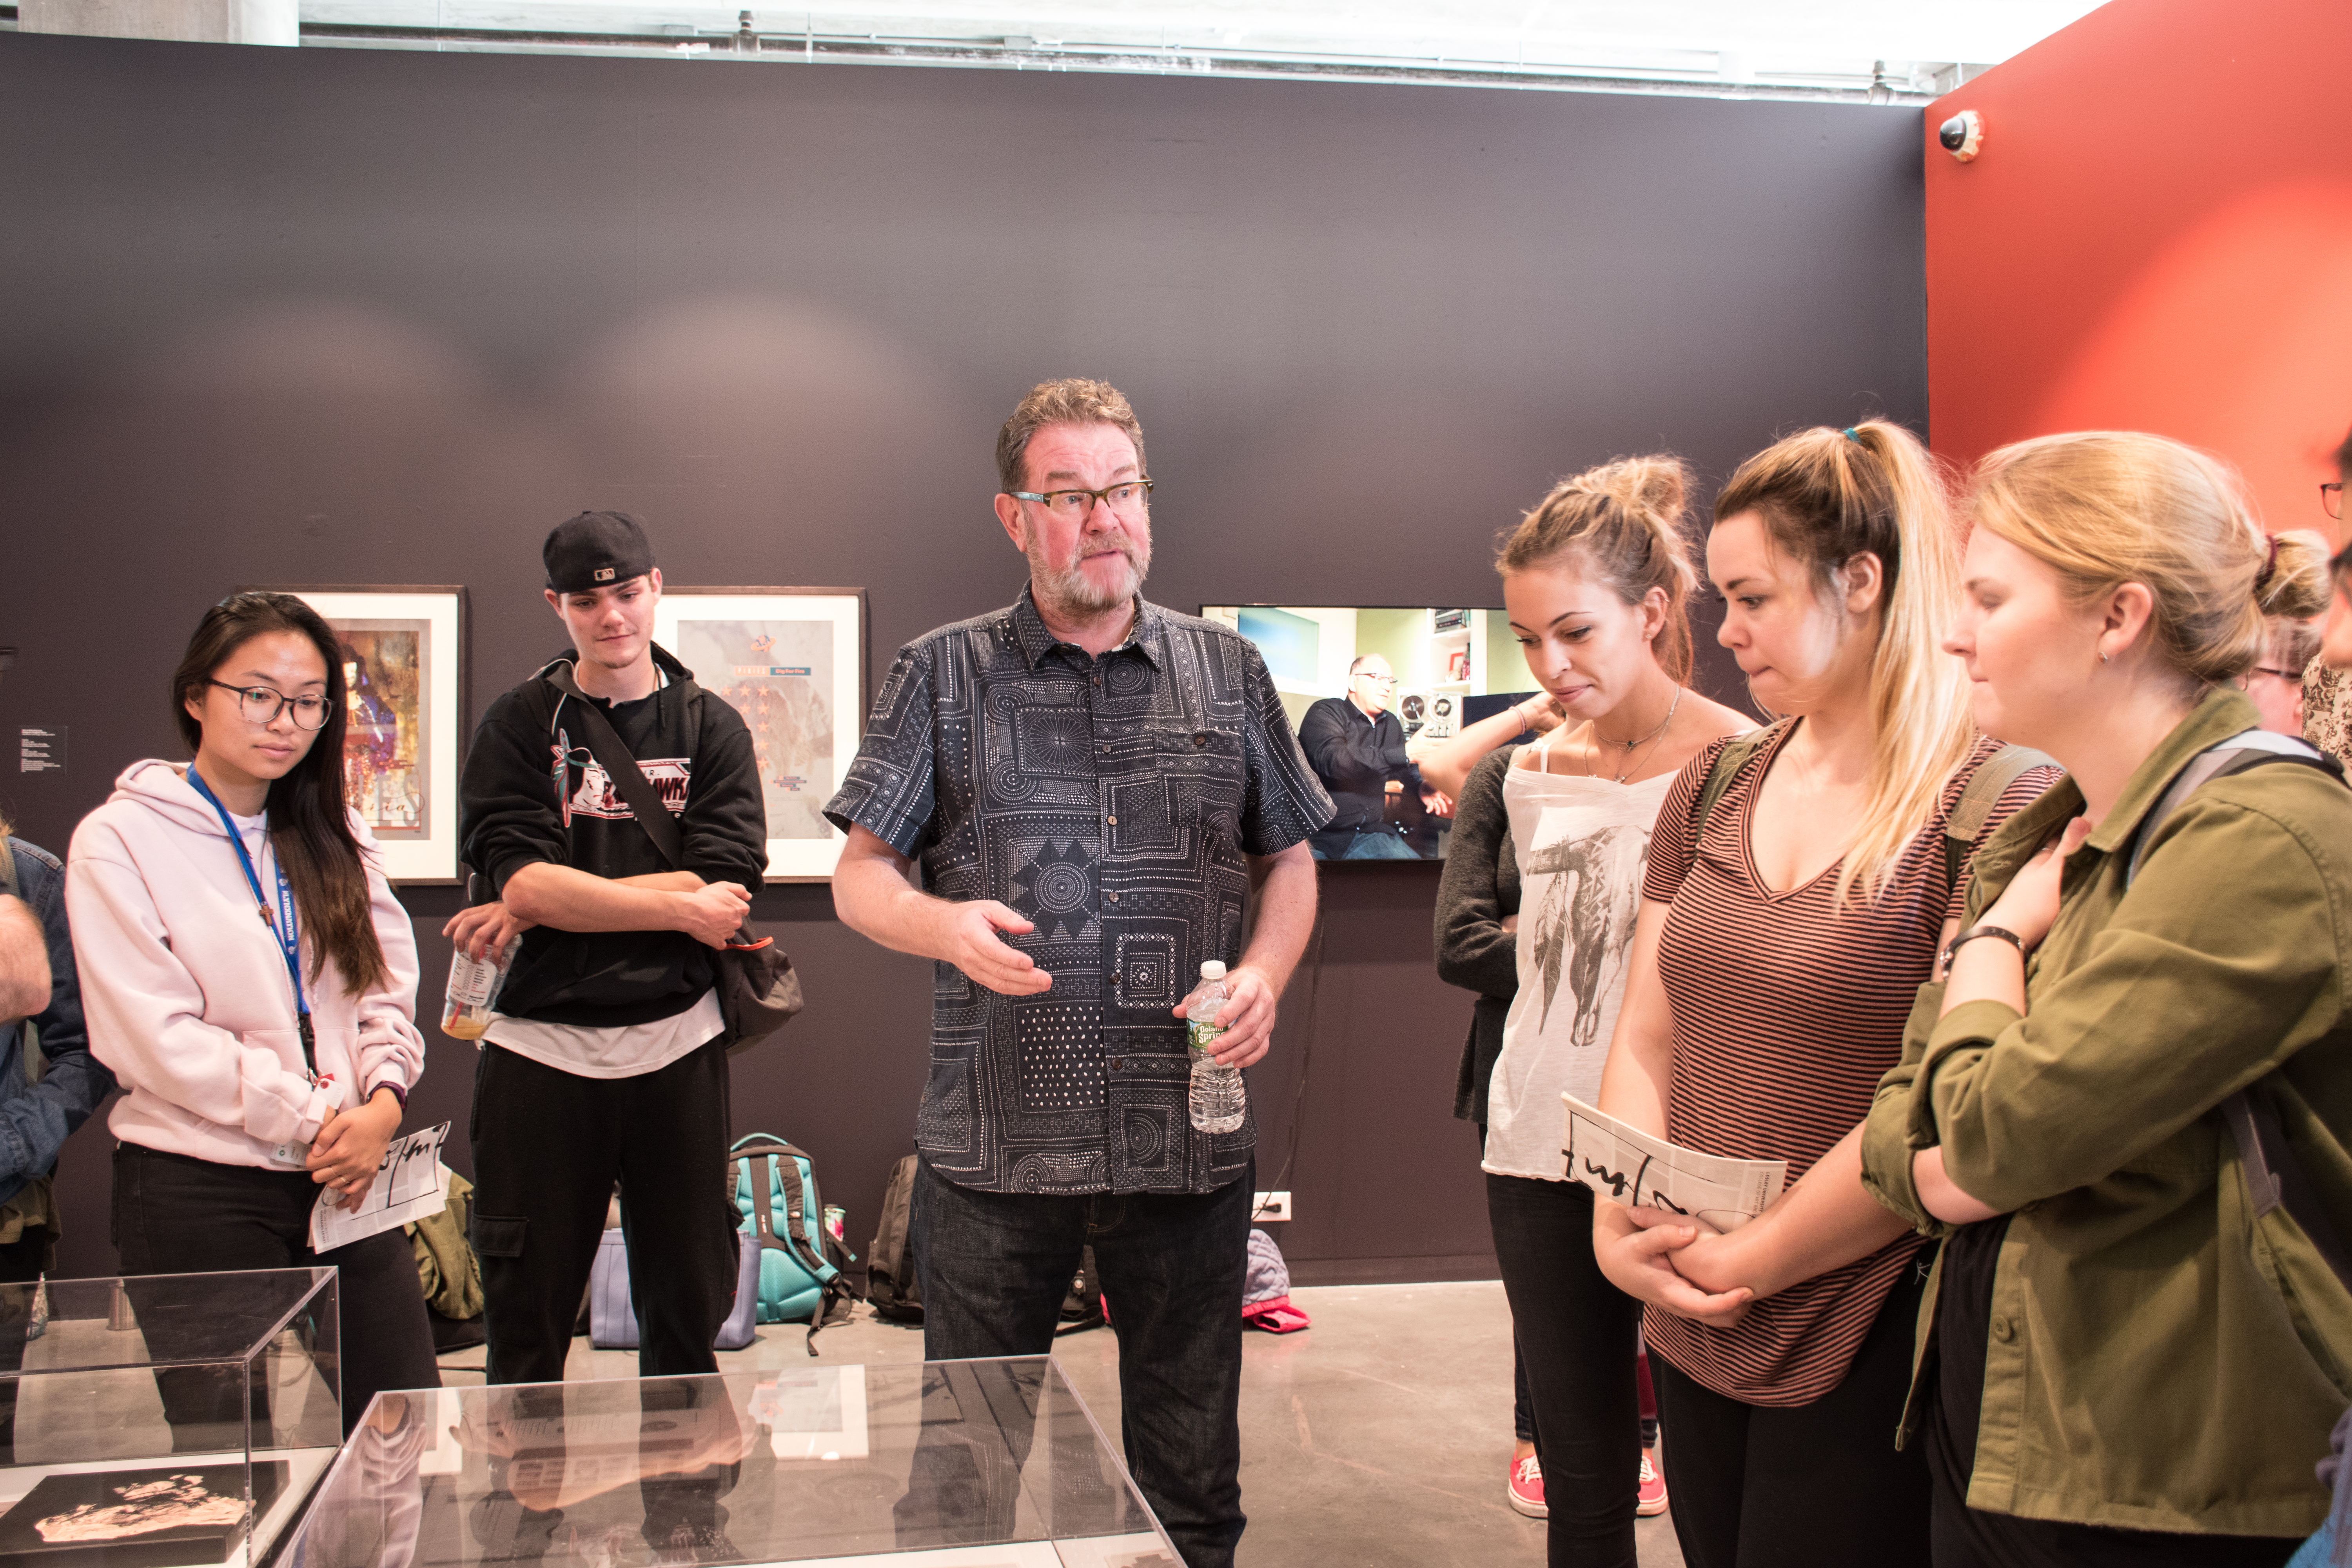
x=177, y=1214
x=1807, y=1486
x=1576, y=1333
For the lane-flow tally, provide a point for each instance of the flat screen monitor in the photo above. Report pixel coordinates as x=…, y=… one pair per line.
x=1452, y=666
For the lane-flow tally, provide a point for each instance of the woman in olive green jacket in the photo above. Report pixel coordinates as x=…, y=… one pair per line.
x=2129, y=1365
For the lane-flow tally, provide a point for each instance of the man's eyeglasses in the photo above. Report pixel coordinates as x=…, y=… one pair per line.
x=2331, y=500
x=1127, y=498
x=262, y=704
x=1379, y=680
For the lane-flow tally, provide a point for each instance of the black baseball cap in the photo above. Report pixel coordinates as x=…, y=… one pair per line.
x=596, y=550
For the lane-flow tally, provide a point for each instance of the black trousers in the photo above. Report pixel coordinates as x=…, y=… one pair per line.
x=1576, y=1335
x=1809, y=1486
x=548, y=1146
x=176, y=1215
x=995, y=1267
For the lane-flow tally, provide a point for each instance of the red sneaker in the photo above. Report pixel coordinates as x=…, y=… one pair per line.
x=1526, y=1487
x=1651, y=1501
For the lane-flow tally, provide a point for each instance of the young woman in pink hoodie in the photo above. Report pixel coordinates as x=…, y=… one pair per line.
x=249, y=978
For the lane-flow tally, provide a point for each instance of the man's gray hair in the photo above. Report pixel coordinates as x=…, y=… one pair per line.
x=1073, y=400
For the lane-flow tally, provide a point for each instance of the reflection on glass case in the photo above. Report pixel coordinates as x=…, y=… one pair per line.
x=169, y=1421
x=967, y=1464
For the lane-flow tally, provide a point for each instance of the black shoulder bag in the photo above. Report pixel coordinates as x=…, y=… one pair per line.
x=759, y=991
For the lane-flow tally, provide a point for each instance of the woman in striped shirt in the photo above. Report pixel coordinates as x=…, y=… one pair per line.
x=1783, y=934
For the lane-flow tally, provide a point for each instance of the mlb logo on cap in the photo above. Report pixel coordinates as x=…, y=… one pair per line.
x=594, y=549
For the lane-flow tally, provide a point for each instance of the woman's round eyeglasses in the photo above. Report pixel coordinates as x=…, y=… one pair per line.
x=262, y=704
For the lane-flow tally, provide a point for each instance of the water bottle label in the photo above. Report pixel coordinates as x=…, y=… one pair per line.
x=1204, y=1036
x=470, y=980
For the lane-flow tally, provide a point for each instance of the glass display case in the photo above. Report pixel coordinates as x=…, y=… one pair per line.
x=967, y=1464
x=167, y=1421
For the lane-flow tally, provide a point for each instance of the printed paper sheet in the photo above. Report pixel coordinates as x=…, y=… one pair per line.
x=409, y=1185
x=1627, y=1165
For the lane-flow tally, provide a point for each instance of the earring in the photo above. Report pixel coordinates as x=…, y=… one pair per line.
x=2103, y=658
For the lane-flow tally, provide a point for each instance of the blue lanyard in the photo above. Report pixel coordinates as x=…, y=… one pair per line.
x=282, y=931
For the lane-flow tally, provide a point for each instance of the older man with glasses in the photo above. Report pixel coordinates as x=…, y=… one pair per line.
x=1092, y=785
x=1358, y=748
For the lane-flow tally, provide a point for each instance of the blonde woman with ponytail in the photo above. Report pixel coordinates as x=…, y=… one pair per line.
x=2128, y=1107
x=1789, y=915
x=1535, y=911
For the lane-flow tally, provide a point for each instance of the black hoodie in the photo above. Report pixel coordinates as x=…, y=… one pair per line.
x=509, y=815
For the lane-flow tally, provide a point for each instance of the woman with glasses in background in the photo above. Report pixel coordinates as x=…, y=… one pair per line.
x=2328, y=679
x=249, y=978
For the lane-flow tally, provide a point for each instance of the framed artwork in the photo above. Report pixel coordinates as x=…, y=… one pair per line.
x=404, y=680
x=793, y=662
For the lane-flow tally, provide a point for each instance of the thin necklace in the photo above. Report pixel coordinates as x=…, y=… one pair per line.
x=1632, y=746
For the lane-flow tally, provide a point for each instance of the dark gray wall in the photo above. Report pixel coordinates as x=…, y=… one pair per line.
x=320, y=316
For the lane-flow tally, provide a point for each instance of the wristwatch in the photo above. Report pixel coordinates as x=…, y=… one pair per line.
x=1952, y=948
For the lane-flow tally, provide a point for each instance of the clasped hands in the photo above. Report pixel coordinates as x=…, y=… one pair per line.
x=1676, y=1262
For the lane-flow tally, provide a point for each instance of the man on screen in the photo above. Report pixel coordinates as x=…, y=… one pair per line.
x=1358, y=749
x=1092, y=783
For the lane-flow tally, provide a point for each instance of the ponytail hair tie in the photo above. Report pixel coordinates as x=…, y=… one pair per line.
x=2270, y=565
x=1852, y=436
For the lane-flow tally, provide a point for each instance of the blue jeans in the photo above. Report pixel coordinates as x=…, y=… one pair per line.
x=1380, y=846
x=995, y=1266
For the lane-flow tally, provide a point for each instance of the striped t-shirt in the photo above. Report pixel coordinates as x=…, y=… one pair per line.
x=1786, y=1011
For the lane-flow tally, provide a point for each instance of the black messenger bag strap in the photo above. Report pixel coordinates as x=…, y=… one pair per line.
x=759, y=991
x=604, y=745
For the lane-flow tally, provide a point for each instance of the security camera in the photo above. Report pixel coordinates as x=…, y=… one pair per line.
x=1963, y=135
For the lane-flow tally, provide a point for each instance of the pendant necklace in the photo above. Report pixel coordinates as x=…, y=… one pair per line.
x=1632, y=746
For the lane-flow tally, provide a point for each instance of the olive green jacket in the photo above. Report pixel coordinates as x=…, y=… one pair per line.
x=2160, y=1358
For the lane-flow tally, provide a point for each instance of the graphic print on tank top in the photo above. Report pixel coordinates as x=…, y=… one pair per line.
x=1583, y=847
x=1584, y=921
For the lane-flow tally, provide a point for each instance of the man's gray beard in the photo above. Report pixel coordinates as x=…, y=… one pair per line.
x=1067, y=592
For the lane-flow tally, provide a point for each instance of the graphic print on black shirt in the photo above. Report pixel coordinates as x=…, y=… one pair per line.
x=513, y=812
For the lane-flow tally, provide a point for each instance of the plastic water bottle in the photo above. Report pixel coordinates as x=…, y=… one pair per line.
x=473, y=986
x=1218, y=1095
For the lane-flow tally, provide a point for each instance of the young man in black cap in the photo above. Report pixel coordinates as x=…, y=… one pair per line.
x=606, y=1059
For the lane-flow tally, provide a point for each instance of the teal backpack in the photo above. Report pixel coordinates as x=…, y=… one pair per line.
x=799, y=1279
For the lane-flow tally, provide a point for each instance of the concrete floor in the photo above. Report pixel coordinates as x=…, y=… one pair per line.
x=1380, y=1435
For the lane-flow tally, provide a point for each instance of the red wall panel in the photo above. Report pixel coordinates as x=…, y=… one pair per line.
x=2156, y=237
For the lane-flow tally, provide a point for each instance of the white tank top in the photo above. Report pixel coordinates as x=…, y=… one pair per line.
x=1583, y=845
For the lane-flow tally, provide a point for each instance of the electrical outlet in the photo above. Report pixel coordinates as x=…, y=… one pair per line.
x=1264, y=1206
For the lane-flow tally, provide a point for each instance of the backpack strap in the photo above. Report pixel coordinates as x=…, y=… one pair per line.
x=1978, y=797
x=2245, y=750
x=1734, y=756
x=2274, y=1178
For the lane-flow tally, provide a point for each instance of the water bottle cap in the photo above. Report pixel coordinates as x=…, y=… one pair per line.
x=1213, y=970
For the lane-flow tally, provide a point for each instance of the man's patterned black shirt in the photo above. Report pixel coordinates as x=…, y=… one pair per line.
x=1112, y=802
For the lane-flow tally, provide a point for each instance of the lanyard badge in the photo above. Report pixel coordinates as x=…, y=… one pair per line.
x=283, y=930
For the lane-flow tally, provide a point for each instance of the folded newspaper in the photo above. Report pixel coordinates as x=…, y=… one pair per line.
x=1626, y=1165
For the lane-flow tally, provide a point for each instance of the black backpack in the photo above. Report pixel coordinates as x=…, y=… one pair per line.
x=891, y=1286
